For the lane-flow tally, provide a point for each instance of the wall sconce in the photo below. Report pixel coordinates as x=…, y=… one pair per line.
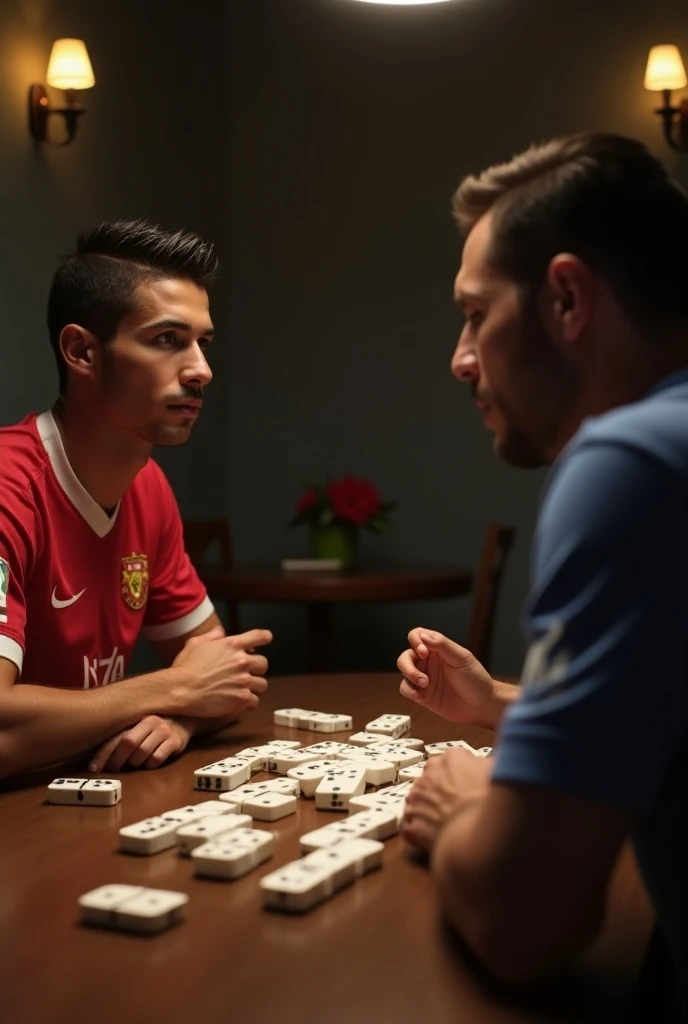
x=665, y=72
x=69, y=68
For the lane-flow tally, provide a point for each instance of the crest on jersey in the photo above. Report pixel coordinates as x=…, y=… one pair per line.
x=135, y=581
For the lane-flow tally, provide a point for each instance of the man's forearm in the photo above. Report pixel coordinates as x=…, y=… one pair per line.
x=42, y=725
x=503, y=695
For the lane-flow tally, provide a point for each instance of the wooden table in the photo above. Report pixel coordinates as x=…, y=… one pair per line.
x=321, y=590
x=376, y=952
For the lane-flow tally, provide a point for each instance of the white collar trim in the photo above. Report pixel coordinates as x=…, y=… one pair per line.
x=88, y=509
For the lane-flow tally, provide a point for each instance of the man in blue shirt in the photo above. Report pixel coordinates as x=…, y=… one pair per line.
x=574, y=287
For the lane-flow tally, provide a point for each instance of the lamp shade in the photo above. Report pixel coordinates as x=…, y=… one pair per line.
x=401, y=3
x=665, y=69
x=69, y=66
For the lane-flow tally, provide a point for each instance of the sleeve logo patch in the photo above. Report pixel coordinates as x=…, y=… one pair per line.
x=134, y=587
x=4, y=587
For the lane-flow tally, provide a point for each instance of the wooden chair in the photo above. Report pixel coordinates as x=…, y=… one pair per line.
x=199, y=536
x=498, y=542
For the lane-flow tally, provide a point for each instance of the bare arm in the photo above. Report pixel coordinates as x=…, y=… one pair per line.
x=523, y=873
x=213, y=677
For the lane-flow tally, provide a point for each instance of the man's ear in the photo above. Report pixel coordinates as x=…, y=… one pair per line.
x=568, y=297
x=80, y=350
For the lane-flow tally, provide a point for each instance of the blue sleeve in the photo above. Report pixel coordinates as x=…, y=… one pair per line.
x=604, y=683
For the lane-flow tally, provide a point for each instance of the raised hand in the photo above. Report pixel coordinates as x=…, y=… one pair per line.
x=447, y=679
x=220, y=675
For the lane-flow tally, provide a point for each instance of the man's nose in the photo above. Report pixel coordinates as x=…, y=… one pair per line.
x=196, y=372
x=464, y=364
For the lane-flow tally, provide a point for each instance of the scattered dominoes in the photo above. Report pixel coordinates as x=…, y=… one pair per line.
x=304, y=883
x=133, y=908
x=339, y=785
x=152, y=835
x=379, y=770
x=364, y=739
x=254, y=789
x=392, y=726
x=260, y=757
x=433, y=749
x=234, y=854
x=316, y=721
x=409, y=742
x=223, y=775
x=188, y=837
x=88, y=792
x=270, y=806
x=375, y=823
x=395, y=803
x=309, y=775
x=397, y=753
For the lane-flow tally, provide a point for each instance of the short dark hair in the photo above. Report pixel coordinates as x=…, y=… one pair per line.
x=95, y=285
x=602, y=197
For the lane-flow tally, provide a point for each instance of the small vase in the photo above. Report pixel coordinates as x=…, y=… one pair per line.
x=338, y=540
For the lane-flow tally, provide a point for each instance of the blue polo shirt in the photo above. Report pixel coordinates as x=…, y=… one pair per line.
x=604, y=709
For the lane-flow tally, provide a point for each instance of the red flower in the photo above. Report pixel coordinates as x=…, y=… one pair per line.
x=354, y=501
x=308, y=500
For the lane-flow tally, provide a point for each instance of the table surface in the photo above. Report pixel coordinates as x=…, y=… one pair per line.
x=375, y=952
x=385, y=582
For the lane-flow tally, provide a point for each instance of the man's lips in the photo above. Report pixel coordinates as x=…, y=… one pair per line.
x=191, y=408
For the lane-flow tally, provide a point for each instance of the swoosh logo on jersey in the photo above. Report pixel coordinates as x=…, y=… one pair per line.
x=57, y=603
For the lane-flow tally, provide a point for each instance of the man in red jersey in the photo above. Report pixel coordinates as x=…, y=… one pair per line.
x=91, y=546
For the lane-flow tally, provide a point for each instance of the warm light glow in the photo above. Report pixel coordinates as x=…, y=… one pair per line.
x=665, y=69
x=400, y=3
x=69, y=66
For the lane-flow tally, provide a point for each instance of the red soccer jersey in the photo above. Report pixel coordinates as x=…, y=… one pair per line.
x=77, y=586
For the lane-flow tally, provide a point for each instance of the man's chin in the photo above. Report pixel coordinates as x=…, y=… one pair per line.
x=518, y=450
x=170, y=437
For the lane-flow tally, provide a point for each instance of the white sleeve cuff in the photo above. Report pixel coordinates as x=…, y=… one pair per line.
x=11, y=650
x=178, y=627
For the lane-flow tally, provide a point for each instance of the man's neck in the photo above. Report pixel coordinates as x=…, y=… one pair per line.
x=104, y=459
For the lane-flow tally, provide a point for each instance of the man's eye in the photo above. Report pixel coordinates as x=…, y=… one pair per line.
x=168, y=338
x=475, y=318
x=205, y=345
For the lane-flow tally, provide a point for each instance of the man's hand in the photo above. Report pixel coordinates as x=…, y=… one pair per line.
x=447, y=679
x=145, y=745
x=449, y=781
x=221, y=674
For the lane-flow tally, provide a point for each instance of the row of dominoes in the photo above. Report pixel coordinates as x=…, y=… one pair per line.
x=302, y=884
x=391, y=726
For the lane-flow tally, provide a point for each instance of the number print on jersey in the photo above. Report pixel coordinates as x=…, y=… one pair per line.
x=113, y=666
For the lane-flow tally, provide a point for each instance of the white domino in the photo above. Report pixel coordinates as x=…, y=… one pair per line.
x=152, y=835
x=375, y=823
x=395, y=803
x=188, y=837
x=409, y=742
x=309, y=775
x=237, y=797
x=413, y=772
x=270, y=806
x=321, y=721
x=133, y=908
x=400, y=756
x=484, y=751
x=288, y=716
x=282, y=761
x=434, y=749
x=223, y=775
x=257, y=756
x=329, y=748
x=359, y=855
x=392, y=726
x=298, y=886
x=88, y=792
x=379, y=770
x=364, y=739
x=338, y=786
x=234, y=854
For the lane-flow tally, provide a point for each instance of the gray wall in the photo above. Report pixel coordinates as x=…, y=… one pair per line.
x=351, y=125
x=318, y=143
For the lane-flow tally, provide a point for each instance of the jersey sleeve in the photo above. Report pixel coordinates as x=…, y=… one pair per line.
x=604, y=701
x=177, y=600
x=19, y=543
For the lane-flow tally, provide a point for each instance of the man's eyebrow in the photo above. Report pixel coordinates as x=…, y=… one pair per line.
x=177, y=325
x=462, y=297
